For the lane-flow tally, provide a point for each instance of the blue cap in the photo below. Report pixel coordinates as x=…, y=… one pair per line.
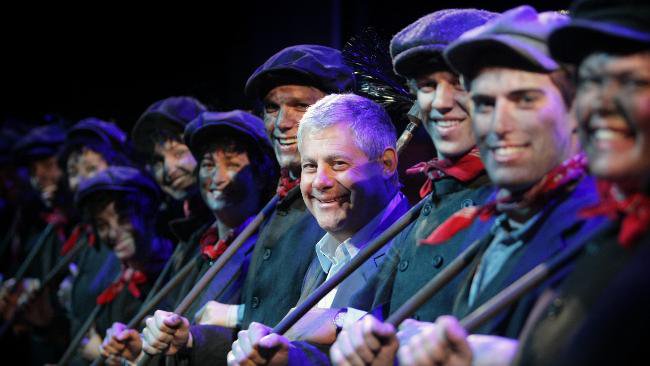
x=419, y=46
x=515, y=39
x=170, y=114
x=117, y=179
x=311, y=65
x=39, y=143
x=614, y=26
x=94, y=129
x=211, y=124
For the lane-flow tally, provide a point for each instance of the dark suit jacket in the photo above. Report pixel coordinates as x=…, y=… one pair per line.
x=359, y=278
x=599, y=315
x=303, y=353
x=282, y=254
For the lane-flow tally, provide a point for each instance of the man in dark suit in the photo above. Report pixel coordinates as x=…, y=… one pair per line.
x=520, y=104
x=349, y=183
x=285, y=84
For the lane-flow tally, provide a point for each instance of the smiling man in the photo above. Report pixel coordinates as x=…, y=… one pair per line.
x=456, y=176
x=158, y=138
x=598, y=314
x=237, y=173
x=285, y=84
x=520, y=106
x=349, y=183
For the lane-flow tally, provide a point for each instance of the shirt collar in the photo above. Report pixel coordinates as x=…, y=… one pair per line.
x=329, y=251
x=512, y=231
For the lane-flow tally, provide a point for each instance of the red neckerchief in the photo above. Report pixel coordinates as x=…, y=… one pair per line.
x=465, y=169
x=129, y=278
x=211, y=251
x=633, y=211
x=553, y=183
x=286, y=183
x=58, y=219
x=75, y=235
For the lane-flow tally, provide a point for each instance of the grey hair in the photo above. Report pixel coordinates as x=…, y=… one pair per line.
x=371, y=126
x=372, y=129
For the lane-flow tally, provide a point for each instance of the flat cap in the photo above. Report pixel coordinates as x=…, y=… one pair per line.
x=39, y=143
x=420, y=44
x=171, y=114
x=311, y=65
x=209, y=125
x=615, y=26
x=117, y=179
x=515, y=39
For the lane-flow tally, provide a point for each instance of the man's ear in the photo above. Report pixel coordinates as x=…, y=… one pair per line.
x=389, y=161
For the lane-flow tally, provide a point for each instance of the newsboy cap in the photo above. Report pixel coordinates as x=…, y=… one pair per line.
x=117, y=179
x=171, y=114
x=615, y=26
x=419, y=46
x=311, y=65
x=515, y=39
x=39, y=143
x=96, y=131
x=210, y=125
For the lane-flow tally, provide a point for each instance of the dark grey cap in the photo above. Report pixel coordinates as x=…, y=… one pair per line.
x=312, y=65
x=117, y=179
x=208, y=125
x=615, y=26
x=515, y=39
x=170, y=114
x=419, y=46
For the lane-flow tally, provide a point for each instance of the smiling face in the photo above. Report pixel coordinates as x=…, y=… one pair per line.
x=284, y=106
x=341, y=187
x=116, y=230
x=443, y=101
x=613, y=110
x=521, y=124
x=82, y=165
x=173, y=168
x=226, y=181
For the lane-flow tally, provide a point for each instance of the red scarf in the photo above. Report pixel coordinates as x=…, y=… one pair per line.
x=129, y=278
x=465, y=169
x=553, y=183
x=58, y=219
x=211, y=251
x=633, y=211
x=286, y=183
x=75, y=235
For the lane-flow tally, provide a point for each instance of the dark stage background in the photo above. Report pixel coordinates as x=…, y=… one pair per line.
x=112, y=62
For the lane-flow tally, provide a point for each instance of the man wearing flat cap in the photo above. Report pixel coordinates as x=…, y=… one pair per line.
x=286, y=84
x=237, y=176
x=520, y=100
x=456, y=176
x=349, y=183
x=598, y=314
x=158, y=140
